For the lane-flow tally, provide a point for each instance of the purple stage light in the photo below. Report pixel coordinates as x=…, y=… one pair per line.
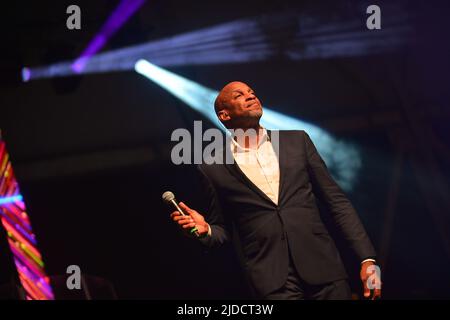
x=120, y=15
x=279, y=36
x=26, y=74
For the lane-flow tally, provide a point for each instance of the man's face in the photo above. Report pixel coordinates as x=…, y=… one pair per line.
x=243, y=108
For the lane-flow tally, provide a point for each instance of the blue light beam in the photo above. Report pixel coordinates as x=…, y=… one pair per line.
x=342, y=158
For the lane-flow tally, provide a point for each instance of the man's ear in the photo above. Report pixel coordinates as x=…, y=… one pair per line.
x=223, y=115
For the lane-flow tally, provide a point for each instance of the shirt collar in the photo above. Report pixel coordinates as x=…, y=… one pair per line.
x=236, y=147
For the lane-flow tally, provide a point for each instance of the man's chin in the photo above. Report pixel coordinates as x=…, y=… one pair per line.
x=255, y=114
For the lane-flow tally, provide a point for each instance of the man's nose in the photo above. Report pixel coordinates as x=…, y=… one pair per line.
x=250, y=96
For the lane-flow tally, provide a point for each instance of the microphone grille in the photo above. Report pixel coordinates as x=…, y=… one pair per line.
x=168, y=196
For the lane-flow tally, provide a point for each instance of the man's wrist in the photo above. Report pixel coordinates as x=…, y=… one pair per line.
x=206, y=232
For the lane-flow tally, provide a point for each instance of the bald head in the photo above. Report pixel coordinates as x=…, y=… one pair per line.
x=221, y=100
x=237, y=105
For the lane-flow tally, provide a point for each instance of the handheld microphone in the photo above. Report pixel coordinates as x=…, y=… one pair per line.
x=169, y=198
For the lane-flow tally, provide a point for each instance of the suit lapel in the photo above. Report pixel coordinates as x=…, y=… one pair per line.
x=280, y=150
x=234, y=169
x=237, y=172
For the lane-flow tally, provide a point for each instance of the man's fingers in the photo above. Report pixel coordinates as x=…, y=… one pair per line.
x=377, y=294
x=177, y=216
x=189, y=211
x=184, y=207
x=174, y=214
x=366, y=289
x=183, y=219
x=186, y=221
x=180, y=217
x=189, y=225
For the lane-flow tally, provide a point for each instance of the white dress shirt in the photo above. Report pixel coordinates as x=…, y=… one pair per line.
x=259, y=164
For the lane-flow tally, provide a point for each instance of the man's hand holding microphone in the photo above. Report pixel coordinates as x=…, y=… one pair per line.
x=192, y=222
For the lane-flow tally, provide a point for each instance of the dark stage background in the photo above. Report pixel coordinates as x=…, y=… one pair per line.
x=92, y=152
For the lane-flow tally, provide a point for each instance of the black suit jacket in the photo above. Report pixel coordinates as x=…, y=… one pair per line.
x=265, y=234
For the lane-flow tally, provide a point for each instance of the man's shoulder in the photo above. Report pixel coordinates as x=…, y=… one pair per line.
x=287, y=134
x=213, y=162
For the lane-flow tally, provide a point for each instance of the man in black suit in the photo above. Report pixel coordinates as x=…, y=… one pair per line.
x=266, y=202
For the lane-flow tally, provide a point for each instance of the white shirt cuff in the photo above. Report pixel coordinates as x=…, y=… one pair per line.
x=366, y=260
